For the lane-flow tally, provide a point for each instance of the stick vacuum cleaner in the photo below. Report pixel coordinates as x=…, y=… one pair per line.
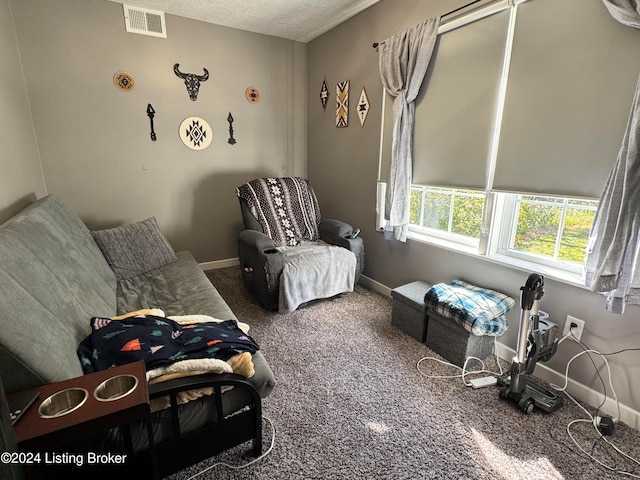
x=536, y=342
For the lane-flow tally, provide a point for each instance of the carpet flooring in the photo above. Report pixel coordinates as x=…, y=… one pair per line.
x=350, y=403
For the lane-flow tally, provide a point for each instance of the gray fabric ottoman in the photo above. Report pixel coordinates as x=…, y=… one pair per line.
x=453, y=342
x=408, y=311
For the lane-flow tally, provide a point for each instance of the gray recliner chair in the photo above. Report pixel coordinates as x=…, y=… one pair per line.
x=279, y=215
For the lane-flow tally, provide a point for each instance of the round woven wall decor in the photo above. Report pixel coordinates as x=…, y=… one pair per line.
x=124, y=81
x=252, y=95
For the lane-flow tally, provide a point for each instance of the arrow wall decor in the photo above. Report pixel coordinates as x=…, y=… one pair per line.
x=151, y=113
x=231, y=140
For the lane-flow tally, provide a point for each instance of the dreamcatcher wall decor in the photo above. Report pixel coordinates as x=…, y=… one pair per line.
x=342, y=104
x=195, y=133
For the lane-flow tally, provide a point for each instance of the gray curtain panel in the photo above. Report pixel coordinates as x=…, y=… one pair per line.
x=404, y=59
x=613, y=252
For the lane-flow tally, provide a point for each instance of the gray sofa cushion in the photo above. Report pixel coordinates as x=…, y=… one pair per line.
x=54, y=279
x=182, y=288
x=134, y=248
x=179, y=288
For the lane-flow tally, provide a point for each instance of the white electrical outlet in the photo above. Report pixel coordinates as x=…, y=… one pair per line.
x=577, y=331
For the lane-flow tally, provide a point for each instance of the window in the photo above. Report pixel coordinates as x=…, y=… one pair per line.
x=545, y=230
x=449, y=212
x=551, y=230
x=524, y=117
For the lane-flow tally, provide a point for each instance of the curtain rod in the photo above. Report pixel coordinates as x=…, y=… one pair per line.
x=375, y=45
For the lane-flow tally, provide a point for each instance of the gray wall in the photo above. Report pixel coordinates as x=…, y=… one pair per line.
x=343, y=165
x=21, y=179
x=94, y=140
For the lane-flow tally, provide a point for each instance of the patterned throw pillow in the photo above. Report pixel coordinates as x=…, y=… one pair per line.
x=134, y=248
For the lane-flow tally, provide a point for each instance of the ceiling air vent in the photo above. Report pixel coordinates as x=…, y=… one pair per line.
x=144, y=21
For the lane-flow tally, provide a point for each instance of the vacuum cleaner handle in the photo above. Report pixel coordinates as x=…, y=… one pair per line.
x=531, y=293
x=532, y=290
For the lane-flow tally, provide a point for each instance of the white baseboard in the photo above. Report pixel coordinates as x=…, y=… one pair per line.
x=375, y=286
x=229, y=262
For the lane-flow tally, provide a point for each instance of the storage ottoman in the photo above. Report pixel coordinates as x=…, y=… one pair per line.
x=408, y=310
x=453, y=342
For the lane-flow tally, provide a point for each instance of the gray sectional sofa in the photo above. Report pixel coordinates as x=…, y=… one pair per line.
x=55, y=275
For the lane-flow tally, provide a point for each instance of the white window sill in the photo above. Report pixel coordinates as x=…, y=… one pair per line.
x=556, y=274
x=443, y=243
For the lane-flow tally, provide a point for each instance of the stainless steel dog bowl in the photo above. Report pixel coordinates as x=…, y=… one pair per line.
x=115, y=388
x=62, y=402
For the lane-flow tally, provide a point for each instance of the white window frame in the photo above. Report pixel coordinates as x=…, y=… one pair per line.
x=507, y=226
x=501, y=235
x=435, y=232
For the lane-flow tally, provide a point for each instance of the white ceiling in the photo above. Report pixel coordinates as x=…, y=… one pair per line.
x=300, y=20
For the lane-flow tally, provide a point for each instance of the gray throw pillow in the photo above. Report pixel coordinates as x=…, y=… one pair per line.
x=134, y=248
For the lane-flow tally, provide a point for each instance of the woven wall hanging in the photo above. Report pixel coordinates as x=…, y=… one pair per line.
x=124, y=81
x=342, y=104
x=252, y=94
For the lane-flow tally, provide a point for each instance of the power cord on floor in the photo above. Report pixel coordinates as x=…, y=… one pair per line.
x=463, y=369
x=595, y=421
x=240, y=467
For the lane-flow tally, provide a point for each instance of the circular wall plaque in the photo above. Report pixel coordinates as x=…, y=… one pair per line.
x=124, y=81
x=195, y=133
x=252, y=94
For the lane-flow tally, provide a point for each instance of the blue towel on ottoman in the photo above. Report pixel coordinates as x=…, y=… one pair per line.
x=479, y=310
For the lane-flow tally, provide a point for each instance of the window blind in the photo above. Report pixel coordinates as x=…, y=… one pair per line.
x=455, y=110
x=455, y=107
x=571, y=81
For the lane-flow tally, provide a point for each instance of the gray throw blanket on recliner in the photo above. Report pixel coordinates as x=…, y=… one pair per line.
x=315, y=270
x=286, y=208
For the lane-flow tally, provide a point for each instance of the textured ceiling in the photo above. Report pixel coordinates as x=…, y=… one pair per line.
x=300, y=20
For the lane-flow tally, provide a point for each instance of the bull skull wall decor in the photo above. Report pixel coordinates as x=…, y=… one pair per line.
x=192, y=81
